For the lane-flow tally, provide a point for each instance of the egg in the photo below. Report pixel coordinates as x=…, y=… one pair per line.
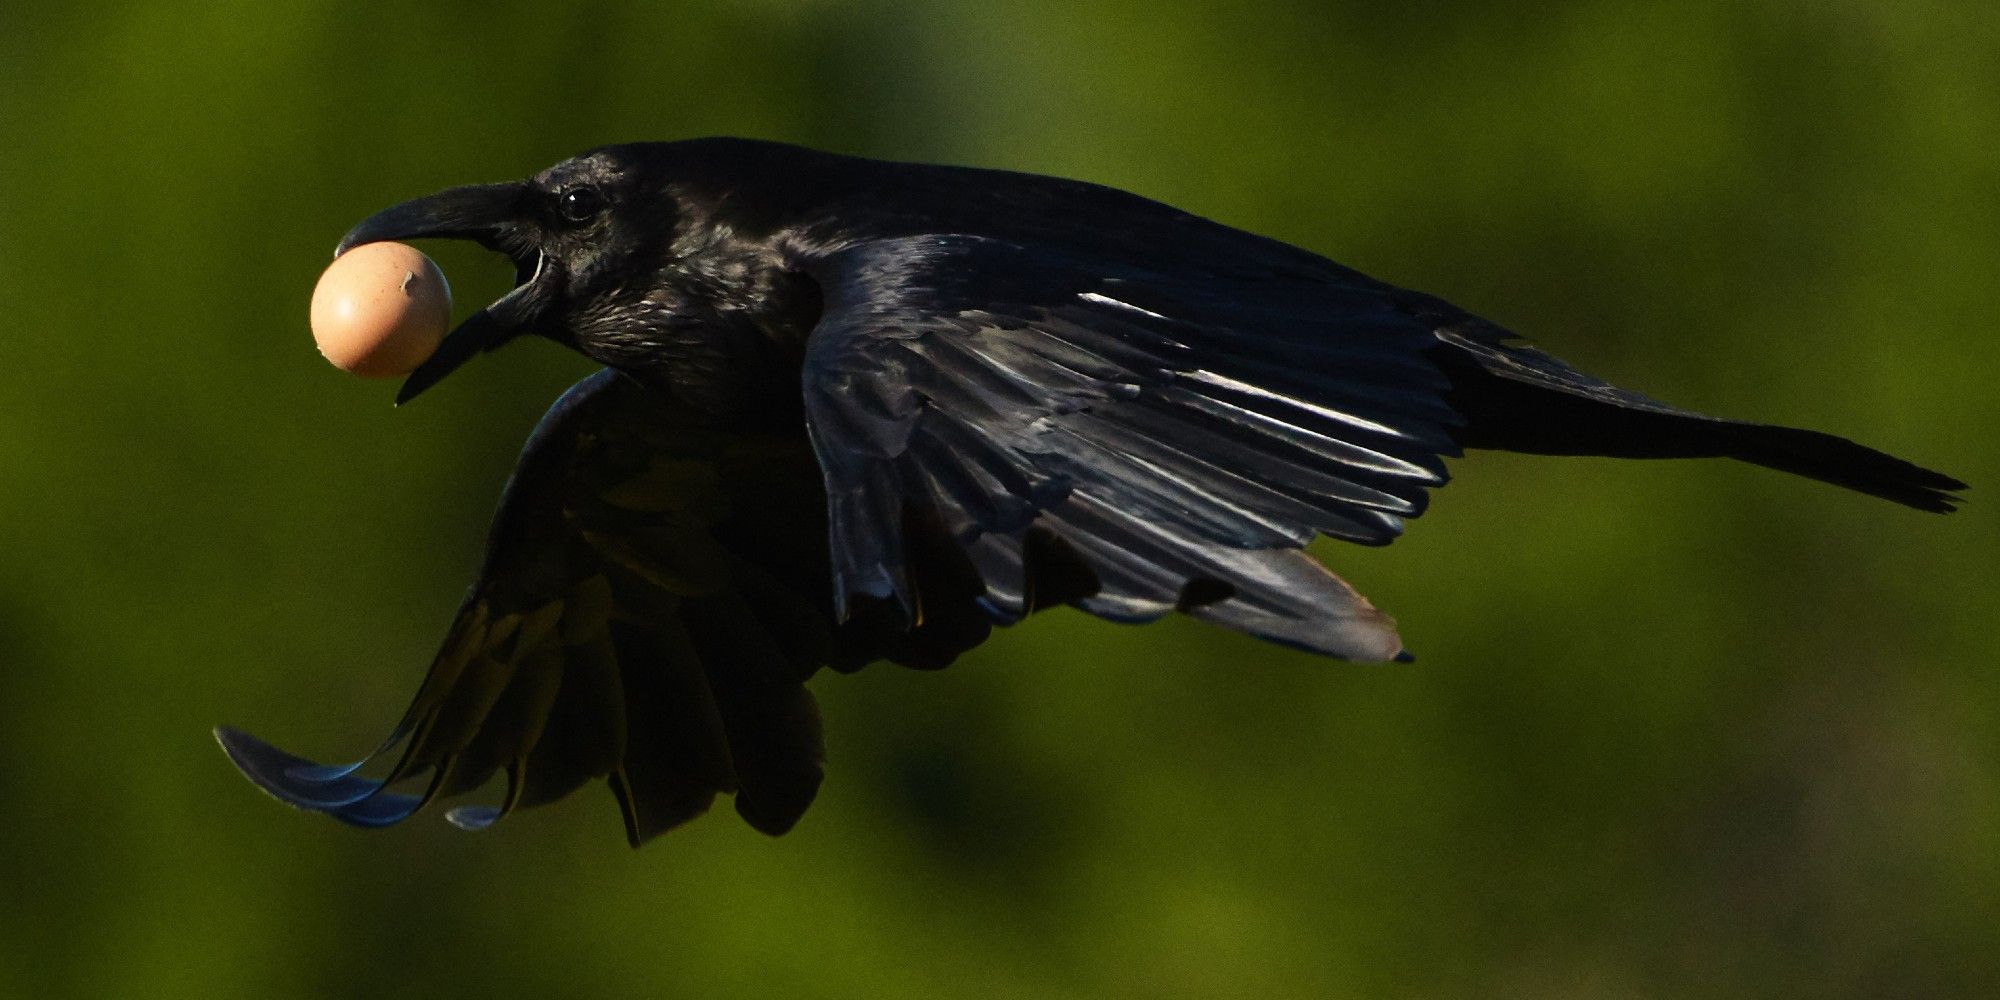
x=380, y=309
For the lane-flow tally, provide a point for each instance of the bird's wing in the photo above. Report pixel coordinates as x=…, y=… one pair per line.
x=1181, y=431
x=621, y=627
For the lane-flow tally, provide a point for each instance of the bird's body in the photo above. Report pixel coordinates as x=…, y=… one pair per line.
x=857, y=410
x=737, y=314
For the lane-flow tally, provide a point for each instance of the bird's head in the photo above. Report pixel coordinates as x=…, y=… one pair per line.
x=580, y=234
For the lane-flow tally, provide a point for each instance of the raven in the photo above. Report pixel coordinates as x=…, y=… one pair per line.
x=856, y=410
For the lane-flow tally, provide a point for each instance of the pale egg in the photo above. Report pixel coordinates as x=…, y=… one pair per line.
x=380, y=310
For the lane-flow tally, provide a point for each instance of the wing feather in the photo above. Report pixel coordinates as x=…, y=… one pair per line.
x=634, y=621
x=1183, y=433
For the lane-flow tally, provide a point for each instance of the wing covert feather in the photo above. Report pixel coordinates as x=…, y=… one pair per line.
x=1185, y=433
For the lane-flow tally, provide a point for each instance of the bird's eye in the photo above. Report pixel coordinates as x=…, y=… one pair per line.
x=580, y=204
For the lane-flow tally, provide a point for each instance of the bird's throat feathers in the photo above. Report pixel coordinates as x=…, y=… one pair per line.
x=721, y=326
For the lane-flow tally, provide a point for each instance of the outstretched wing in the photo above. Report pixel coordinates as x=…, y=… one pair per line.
x=653, y=597
x=1181, y=430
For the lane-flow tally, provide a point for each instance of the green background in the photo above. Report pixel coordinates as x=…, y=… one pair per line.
x=1677, y=729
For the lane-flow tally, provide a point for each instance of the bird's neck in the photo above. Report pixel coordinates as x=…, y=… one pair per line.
x=728, y=341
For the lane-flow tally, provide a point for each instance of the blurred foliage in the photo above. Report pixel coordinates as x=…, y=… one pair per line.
x=1677, y=729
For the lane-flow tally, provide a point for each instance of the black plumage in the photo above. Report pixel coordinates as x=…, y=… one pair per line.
x=857, y=410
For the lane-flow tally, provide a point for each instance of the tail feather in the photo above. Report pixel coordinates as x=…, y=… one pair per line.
x=1516, y=398
x=1841, y=462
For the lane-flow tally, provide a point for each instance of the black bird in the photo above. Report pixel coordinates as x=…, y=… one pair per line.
x=855, y=410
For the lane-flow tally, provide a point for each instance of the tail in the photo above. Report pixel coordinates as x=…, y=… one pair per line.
x=1841, y=462
x=1516, y=398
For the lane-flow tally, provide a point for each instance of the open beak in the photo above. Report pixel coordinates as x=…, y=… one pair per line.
x=487, y=214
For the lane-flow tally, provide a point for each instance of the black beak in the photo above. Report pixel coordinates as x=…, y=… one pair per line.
x=482, y=212
x=489, y=215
